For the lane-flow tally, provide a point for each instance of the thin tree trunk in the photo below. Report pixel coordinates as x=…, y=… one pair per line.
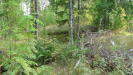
x=78, y=25
x=36, y=18
x=71, y=21
x=1, y=7
x=6, y=16
x=34, y=13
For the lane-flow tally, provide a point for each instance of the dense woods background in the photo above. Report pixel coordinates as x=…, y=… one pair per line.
x=66, y=37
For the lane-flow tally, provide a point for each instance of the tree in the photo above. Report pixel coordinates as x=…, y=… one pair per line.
x=78, y=25
x=34, y=13
x=71, y=21
x=36, y=18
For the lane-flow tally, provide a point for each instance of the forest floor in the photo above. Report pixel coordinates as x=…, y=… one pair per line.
x=110, y=44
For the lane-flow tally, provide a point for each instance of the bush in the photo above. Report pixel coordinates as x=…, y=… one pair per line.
x=19, y=59
x=45, y=49
x=51, y=50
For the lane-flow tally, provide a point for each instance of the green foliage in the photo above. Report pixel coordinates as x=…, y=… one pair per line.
x=17, y=57
x=109, y=14
x=49, y=50
x=69, y=53
x=46, y=48
x=117, y=19
x=50, y=17
x=44, y=70
x=23, y=55
x=18, y=65
x=61, y=10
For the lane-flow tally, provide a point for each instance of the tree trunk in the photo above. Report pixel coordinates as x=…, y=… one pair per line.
x=71, y=21
x=34, y=13
x=78, y=25
x=36, y=18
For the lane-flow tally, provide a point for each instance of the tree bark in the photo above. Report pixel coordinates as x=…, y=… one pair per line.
x=78, y=25
x=36, y=18
x=34, y=13
x=71, y=21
